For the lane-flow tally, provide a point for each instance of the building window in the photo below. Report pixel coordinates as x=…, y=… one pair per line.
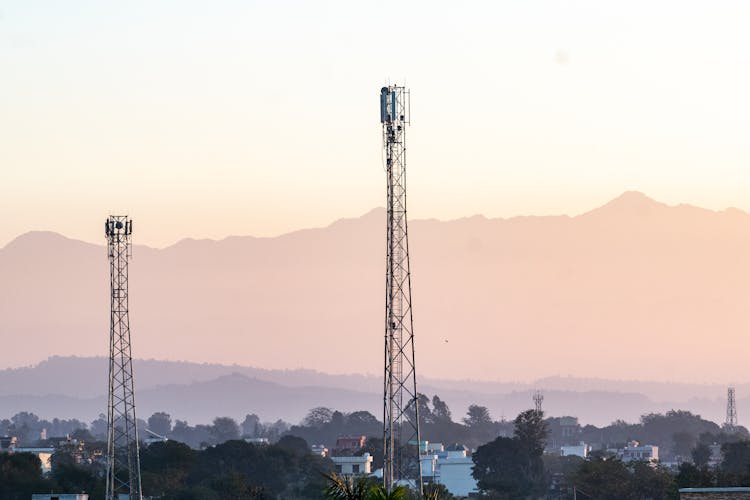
x=338, y=468
x=355, y=469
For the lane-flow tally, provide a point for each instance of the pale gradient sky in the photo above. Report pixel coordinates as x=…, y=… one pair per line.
x=206, y=119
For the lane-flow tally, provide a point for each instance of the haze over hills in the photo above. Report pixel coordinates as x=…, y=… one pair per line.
x=75, y=387
x=631, y=290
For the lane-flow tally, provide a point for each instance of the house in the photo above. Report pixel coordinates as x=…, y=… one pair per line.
x=349, y=466
x=451, y=466
x=8, y=443
x=350, y=442
x=636, y=452
x=579, y=450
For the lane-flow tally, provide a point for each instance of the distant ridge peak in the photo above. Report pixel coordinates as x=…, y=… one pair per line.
x=634, y=198
x=629, y=202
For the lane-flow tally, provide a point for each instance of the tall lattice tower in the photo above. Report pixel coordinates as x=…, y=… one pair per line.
x=401, y=436
x=538, y=399
x=731, y=422
x=123, y=462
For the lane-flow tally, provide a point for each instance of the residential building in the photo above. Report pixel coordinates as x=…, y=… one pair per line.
x=8, y=443
x=449, y=466
x=350, y=442
x=635, y=452
x=579, y=450
x=353, y=465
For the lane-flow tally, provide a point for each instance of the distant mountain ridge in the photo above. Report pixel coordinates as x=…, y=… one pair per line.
x=74, y=387
x=634, y=289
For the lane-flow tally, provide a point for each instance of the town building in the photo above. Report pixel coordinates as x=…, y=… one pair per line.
x=451, y=467
x=352, y=466
x=579, y=450
x=636, y=452
x=8, y=443
x=352, y=443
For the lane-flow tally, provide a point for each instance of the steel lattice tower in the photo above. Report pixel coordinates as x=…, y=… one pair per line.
x=731, y=422
x=538, y=399
x=123, y=462
x=401, y=435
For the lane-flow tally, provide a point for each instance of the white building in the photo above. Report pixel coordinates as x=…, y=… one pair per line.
x=579, y=450
x=60, y=496
x=353, y=465
x=636, y=452
x=450, y=467
x=319, y=449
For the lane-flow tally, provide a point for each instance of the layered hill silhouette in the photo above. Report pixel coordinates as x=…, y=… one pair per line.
x=634, y=289
x=75, y=387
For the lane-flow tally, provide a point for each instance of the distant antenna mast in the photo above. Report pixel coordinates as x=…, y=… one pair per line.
x=731, y=422
x=123, y=462
x=401, y=436
x=538, y=399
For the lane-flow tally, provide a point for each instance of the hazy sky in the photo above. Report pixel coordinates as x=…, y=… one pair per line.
x=206, y=119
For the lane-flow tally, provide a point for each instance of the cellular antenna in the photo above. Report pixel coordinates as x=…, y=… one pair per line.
x=731, y=422
x=123, y=462
x=401, y=435
x=538, y=399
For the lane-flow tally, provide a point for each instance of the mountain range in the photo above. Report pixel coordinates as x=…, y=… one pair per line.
x=634, y=289
x=75, y=387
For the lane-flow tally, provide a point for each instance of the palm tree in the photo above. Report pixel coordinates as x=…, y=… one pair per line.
x=346, y=488
x=380, y=493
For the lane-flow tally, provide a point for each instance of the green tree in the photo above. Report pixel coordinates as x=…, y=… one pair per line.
x=701, y=455
x=21, y=476
x=160, y=423
x=514, y=466
x=531, y=431
x=652, y=482
x=251, y=426
x=477, y=416
x=603, y=480
x=691, y=476
x=294, y=444
x=440, y=411
x=499, y=468
x=682, y=443
x=318, y=417
x=225, y=429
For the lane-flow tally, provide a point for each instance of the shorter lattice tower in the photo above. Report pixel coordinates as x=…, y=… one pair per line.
x=123, y=462
x=538, y=399
x=731, y=421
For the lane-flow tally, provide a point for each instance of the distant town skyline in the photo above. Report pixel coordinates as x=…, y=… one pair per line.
x=260, y=118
